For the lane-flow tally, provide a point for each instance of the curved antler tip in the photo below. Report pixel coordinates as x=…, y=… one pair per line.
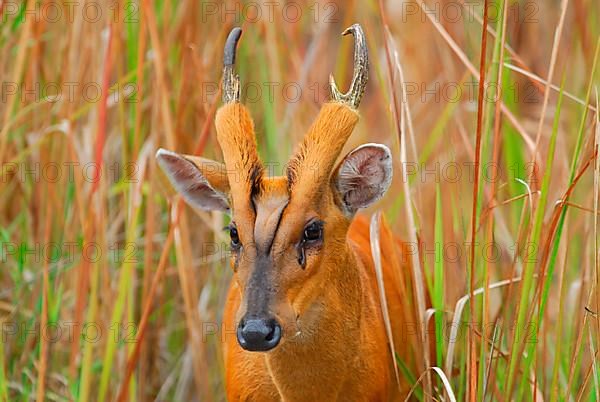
x=351, y=29
x=361, y=67
x=230, y=45
x=231, y=82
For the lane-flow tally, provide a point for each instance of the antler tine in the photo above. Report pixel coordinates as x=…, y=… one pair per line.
x=361, y=70
x=231, y=81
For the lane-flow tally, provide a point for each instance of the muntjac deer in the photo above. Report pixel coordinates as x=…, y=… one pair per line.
x=304, y=296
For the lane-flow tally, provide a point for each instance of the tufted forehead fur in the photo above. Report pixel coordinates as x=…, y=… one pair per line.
x=235, y=133
x=258, y=201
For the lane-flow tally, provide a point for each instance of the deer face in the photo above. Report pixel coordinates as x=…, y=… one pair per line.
x=286, y=232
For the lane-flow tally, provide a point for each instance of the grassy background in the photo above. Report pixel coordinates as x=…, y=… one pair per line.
x=106, y=273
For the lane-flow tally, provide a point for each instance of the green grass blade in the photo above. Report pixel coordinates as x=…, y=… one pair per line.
x=539, y=216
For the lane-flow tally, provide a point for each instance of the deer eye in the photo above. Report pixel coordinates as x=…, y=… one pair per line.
x=235, y=237
x=313, y=232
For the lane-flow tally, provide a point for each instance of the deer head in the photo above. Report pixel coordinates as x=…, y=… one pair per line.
x=288, y=233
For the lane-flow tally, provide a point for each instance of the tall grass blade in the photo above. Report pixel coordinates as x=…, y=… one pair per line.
x=438, y=279
x=376, y=253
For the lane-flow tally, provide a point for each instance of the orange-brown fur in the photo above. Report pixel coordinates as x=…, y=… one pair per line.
x=235, y=133
x=342, y=352
x=312, y=163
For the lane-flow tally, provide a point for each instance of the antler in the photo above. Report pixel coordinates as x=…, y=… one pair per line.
x=231, y=81
x=361, y=70
x=310, y=168
x=235, y=134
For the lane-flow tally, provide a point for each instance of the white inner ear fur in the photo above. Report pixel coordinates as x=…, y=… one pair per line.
x=364, y=176
x=189, y=181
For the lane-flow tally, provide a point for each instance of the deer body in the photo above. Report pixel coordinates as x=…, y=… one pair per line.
x=303, y=303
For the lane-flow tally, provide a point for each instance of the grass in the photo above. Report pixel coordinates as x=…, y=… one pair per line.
x=111, y=288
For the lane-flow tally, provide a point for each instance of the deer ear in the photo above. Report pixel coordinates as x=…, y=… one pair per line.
x=363, y=176
x=202, y=182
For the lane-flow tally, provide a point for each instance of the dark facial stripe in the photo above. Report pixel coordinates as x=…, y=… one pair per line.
x=270, y=246
x=256, y=178
x=259, y=288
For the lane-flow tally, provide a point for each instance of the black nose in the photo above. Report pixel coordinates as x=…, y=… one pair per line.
x=258, y=334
